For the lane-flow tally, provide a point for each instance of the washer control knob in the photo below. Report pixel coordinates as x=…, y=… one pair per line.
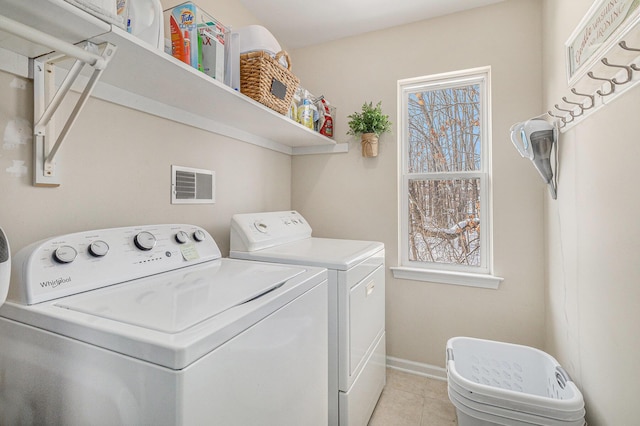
x=199, y=235
x=145, y=240
x=261, y=226
x=98, y=248
x=65, y=254
x=182, y=237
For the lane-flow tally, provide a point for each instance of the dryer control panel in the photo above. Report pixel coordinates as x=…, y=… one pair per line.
x=257, y=231
x=74, y=263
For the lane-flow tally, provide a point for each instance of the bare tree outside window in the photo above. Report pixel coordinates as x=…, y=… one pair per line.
x=444, y=187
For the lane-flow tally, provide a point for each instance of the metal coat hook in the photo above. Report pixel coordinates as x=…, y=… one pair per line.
x=566, y=110
x=564, y=98
x=625, y=67
x=564, y=123
x=599, y=92
x=623, y=44
x=563, y=118
x=575, y=92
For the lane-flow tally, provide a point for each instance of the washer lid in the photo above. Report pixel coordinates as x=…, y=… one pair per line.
x=175, y=301
x=324, y=252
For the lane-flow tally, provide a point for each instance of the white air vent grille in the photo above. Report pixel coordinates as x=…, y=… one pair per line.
x=192, y=186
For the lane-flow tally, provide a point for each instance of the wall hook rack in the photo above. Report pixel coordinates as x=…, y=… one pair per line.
x=601, y=65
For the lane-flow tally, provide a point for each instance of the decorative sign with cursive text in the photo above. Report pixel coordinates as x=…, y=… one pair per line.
x=600, y=22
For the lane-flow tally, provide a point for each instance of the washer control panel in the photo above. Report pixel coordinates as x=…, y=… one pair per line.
x=84, y=261
x=257, y=231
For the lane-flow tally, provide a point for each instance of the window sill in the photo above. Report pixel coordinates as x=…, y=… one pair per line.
x=447, y=277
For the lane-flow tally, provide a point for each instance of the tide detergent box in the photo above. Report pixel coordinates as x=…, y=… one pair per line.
x=184, y=34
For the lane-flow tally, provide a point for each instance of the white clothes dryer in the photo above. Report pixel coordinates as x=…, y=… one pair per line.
x=357, y=354
x=148, y=325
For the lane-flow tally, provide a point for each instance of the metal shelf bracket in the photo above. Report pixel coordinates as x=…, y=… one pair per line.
x=44, y=110
x=86, y=53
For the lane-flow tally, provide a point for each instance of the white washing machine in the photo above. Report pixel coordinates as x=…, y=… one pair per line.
x=357, y=354
x=149, y=326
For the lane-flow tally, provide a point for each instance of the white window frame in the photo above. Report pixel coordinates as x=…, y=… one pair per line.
x=474, y=276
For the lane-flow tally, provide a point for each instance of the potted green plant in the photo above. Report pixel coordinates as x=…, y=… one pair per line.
x=370, y=123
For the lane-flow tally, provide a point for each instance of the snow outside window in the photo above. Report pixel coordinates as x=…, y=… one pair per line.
x=445, y=202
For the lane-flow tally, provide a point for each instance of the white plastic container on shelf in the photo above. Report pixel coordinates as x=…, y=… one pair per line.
x=496, y=383
x=255, y=38
x=144, y=20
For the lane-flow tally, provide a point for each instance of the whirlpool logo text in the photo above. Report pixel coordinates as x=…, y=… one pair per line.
x=55, y=283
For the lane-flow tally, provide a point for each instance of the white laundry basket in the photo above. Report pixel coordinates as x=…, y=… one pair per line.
x=496, y=383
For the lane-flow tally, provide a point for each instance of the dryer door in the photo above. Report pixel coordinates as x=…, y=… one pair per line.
x=366, y=318
x=361, y=317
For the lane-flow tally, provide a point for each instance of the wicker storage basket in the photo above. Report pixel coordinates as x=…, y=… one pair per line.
x=263, y=79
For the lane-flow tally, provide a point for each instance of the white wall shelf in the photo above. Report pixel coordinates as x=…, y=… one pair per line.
x=146, y=79
x=154, y=82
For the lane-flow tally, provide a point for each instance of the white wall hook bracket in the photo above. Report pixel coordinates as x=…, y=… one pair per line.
x=44, y=68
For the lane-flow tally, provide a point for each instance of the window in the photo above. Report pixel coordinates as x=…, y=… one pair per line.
x=445, y=223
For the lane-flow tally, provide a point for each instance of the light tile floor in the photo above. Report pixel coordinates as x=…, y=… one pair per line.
x=412, y=400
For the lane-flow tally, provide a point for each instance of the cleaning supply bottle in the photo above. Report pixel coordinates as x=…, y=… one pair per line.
x=326, y=119
x=122, y=10
x=305, y=113
x=187, y=48
x=295, y=102
x=145, y=20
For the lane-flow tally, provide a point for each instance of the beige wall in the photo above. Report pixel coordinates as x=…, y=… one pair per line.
x=348, y=196
x=593, y=297
x=116, y=170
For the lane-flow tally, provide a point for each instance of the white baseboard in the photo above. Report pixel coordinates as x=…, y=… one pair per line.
x=431, y=371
